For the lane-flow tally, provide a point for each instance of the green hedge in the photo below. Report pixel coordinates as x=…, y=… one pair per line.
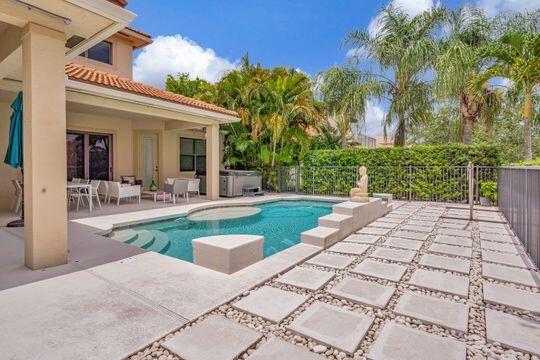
x=444, y=155
x=436, y=173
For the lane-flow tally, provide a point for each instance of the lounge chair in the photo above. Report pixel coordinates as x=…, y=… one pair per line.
x=178, y=187
x=123, y=191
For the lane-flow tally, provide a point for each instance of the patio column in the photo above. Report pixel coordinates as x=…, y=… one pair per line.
x=212, y=162
x=44, y=111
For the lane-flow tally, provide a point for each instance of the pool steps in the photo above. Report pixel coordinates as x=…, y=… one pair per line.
x=153, y=240
x=144, y=238
x=161, y=241
x=124, y=235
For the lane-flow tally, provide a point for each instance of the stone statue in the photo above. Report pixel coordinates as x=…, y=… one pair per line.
x=360, y=193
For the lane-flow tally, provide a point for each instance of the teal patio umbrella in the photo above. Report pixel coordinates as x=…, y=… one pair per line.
x=14, y=154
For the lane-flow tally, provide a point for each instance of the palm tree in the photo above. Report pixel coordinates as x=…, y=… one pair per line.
x=403, y=48
x=345, y=92
x=458, y=62
x=516, y=57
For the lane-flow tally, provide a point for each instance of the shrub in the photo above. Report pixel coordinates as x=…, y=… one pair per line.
x=488, y=189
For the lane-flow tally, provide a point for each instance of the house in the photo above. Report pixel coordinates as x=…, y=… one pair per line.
x=84, y=116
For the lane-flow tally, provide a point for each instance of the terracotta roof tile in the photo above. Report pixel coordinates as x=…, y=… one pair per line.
x=139, y=32
x=92, y=76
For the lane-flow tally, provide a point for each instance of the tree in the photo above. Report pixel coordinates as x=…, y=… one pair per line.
x=516, y=57
x=458, y=62
x=403, y=47
x=183, y=85
x=345, y=92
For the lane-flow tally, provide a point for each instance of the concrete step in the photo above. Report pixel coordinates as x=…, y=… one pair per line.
x=321, y=236
x=336, y=221
x=144, y=239
x=124, y=235
x=161, y=241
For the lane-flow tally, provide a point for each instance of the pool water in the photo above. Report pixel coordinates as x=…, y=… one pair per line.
x=280, y=222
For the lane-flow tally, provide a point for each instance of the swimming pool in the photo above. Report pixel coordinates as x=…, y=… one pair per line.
x=280, y=222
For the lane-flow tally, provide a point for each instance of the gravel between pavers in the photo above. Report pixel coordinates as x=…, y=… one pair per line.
x=477, y=346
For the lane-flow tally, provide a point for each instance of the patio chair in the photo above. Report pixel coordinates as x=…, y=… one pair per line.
x=17, y=196
x=94, y=190
x=131, y=180
x=103, y=190
x=178, y=187
x=194, y=186
x=119, y=191
x=77, y=195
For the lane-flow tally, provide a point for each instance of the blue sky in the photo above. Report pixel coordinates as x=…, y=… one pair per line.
x=207, y=37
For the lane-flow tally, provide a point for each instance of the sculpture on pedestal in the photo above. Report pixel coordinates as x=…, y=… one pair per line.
x=360, y=193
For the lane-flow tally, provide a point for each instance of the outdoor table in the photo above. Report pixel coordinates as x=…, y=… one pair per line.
x=156, y=193
x=82, y=186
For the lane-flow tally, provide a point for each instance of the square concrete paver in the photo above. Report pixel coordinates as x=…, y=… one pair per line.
x=391, y=220
x=418, y=228
x=455, y=232
x=503, y=258
x=400, y=342
x=510, y=274
x=511, y=297
x=275, y=349
x=362, y=239
x=411, y=235
x=381, y=270
x=363, y=292
x=403, y=243
x=513, y=331
x=270, y=303
x=331, y=261
x=492, y=228
x=446, y=263
x=495, y=246
x=424, y=223
x=439, y=281
x=349, y=248
x=374, y=231
x=383, y=224
x=453, y=240
x=432, y=310
x=450, y=250
x=333, y=326
x=216, y=338
x=503, y=238
x=305, y=278
x=405, y=256
x=457, y=226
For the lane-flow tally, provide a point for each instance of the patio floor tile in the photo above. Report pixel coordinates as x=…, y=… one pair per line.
x=511, y=297
x=373, y=231
x=331, y=260
x=380, y=270
x=421, y=222
x=362, y=239
x=405, y=256
x=391, y=219
x=455, y=232
x=450, y=250
x=270, y=303
x=400, y=342
x=418, y=228
x=509, y=274
x=305, y=278
x=438, y=281
x=383, y=224
x=505, y=259
x=333, y=326
x=411, y=235
x=458, y=226
x=503, y=238
x=446, y=263
x=490, y=245
x=453, y=240
x=363, y=292
x=513, y=331
x=349, y=248
x=275, y=349
x=403, y=243
x=216, y=338
x=432, y=310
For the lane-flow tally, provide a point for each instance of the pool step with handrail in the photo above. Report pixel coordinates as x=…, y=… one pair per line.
x=161, y=241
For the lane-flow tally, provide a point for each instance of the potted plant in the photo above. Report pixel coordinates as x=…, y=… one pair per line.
x=488, y=193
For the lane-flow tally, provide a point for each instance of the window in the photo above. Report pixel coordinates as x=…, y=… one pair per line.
x=193, y=155
x=89, y=155
x=100, y=52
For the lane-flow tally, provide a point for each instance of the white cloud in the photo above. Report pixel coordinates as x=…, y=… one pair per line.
x=411, y=7
x=373, y=119
x=492, y=7
x=176, y=54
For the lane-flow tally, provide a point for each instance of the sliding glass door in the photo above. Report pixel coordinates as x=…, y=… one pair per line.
x=89, y=155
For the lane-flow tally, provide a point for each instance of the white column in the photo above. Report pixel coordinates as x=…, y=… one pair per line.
x=212, y=162
x=45, y=231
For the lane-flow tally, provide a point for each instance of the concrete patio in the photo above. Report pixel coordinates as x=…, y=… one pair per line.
x=419, y=282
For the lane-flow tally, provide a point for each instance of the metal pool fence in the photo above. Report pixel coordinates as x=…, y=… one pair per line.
x=412, y=182
x=519, y=200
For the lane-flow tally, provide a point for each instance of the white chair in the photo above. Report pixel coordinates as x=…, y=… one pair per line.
x=194, y=186
x=78, y=195
x=117, y=191
x=17, y=196
x=178, y=187
x=103, y=190
x=94, y=190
